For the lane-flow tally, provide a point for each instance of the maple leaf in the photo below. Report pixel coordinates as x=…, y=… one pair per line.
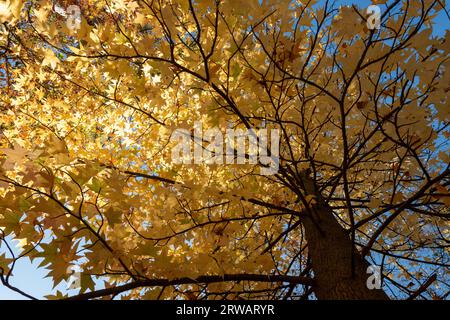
x=50, y=59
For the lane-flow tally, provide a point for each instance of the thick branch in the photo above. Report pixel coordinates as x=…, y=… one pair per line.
x=200, y=280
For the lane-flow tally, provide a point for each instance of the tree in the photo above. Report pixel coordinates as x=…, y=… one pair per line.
x=89, y=104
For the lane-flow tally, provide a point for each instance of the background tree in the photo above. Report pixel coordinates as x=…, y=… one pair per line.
x=87, y=176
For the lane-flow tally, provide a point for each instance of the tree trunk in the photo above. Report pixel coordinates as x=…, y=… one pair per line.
x=330, y=250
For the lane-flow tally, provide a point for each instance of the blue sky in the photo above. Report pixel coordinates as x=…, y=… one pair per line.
x=32, y=280
x=29, y=278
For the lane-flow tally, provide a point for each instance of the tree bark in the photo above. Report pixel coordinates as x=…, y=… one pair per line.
x=330, y=249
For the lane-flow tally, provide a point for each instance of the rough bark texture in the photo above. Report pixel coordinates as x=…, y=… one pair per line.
x=330, y=249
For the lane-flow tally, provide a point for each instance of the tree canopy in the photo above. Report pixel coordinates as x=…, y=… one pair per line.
x=89, y=103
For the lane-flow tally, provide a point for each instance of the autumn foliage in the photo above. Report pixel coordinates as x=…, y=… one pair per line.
x=86, y=170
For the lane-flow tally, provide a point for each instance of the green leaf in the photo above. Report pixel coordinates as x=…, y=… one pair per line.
x=236, y=70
